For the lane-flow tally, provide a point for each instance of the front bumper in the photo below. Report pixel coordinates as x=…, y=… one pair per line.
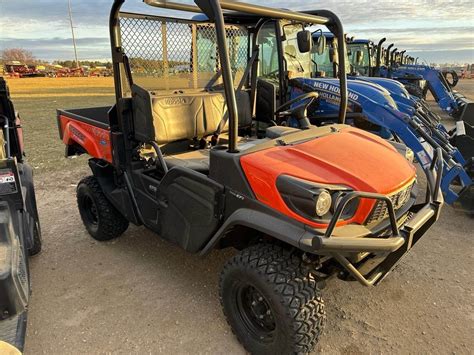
x=373, y=256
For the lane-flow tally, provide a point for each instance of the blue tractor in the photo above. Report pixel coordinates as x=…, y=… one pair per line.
x=374, y=60
x=382, y=106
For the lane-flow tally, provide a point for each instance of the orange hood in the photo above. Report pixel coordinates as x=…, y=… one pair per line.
x=350, y=157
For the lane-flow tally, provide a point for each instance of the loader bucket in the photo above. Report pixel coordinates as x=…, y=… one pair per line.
x=465, y=202
x=466, y=109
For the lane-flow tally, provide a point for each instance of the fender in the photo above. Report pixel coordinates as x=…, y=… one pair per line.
x=94, y=140
x=265, y=223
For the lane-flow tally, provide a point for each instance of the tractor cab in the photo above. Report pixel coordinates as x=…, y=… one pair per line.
x=362, y=56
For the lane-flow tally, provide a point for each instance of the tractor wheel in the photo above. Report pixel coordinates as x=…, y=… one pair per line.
x=271, y=302
x=100, y=217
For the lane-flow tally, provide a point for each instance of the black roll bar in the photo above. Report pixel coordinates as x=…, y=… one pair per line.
x=115, y=44
x=214, y=10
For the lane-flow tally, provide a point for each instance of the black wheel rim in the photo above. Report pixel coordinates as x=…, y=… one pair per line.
x=255, y=313
x=91, y=213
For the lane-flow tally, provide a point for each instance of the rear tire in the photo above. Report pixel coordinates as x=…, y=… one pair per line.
x=100, y=217
x=271, y=302
x=37, y=241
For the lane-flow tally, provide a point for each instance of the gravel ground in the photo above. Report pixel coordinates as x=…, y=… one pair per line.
x=139, y=294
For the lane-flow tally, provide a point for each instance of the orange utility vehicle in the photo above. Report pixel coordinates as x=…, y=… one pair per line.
x=203, y=158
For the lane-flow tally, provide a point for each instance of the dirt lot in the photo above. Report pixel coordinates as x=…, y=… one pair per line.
x=139, y=294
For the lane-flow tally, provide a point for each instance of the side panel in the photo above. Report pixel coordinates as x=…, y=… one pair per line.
x=94, y=140
x=190, y=208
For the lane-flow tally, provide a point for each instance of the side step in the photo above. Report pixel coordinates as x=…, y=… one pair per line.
x=13, y=330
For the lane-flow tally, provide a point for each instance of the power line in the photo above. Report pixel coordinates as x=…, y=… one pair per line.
x=73, y=37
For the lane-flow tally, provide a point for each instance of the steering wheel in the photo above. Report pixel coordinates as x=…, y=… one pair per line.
x=299, y=112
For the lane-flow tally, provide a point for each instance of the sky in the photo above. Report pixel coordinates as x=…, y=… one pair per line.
x=436, y=31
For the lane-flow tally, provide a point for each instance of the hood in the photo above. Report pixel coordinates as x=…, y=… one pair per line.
x=350, y=157
x=347, y=156
x=393, y=86
x=356, y=88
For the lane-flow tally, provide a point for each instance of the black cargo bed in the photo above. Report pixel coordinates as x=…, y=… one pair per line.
x=96, y=116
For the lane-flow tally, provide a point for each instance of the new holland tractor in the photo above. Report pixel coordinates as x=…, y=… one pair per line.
x=374, y=60
x=377, y=61
x=384, y=107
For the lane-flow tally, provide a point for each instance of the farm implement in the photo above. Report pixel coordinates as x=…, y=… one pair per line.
x=20, y=233
x=205, y=157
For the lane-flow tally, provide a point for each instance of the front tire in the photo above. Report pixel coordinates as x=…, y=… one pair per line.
x=271, y=301
x=100, y=217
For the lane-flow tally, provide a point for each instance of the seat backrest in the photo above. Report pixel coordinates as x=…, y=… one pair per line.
x=179, y=116
x=266, y=101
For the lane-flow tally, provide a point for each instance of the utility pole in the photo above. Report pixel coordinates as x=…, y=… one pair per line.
x=73, y=37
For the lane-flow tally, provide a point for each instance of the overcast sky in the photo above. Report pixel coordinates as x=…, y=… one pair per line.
x=437, y=31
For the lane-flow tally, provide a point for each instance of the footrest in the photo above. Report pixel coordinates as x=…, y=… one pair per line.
x=12, y=330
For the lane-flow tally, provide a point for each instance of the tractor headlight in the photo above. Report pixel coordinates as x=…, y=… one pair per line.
x=323, y=203
x=313, y=201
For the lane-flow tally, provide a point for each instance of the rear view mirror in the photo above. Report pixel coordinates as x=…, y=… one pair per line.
x=304, y=41
x=320, y=45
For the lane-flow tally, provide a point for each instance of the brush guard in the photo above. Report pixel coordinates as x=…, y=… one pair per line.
x=387, y=251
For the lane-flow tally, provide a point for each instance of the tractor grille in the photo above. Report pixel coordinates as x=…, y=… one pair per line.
x=380, y=210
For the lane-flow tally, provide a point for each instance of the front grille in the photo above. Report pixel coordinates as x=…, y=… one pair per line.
x=380, y=210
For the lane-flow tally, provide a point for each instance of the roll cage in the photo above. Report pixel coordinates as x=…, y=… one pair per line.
x=220, y=13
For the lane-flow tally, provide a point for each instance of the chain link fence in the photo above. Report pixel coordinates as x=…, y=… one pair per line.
x=170, y=54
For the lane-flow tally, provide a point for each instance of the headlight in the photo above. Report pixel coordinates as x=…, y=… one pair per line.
x=410, y=155
x=313, y=201
x=323, y=203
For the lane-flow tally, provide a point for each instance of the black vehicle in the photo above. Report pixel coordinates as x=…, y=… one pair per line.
x=20, y=232
x=203, y=158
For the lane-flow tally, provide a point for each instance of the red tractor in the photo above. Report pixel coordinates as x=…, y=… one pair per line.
x=205, y=159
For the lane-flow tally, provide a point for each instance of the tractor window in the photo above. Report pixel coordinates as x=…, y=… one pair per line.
x=359, y=57
x=171, y=54
x=299, y=64
x=323, y=61
x=267, y=39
